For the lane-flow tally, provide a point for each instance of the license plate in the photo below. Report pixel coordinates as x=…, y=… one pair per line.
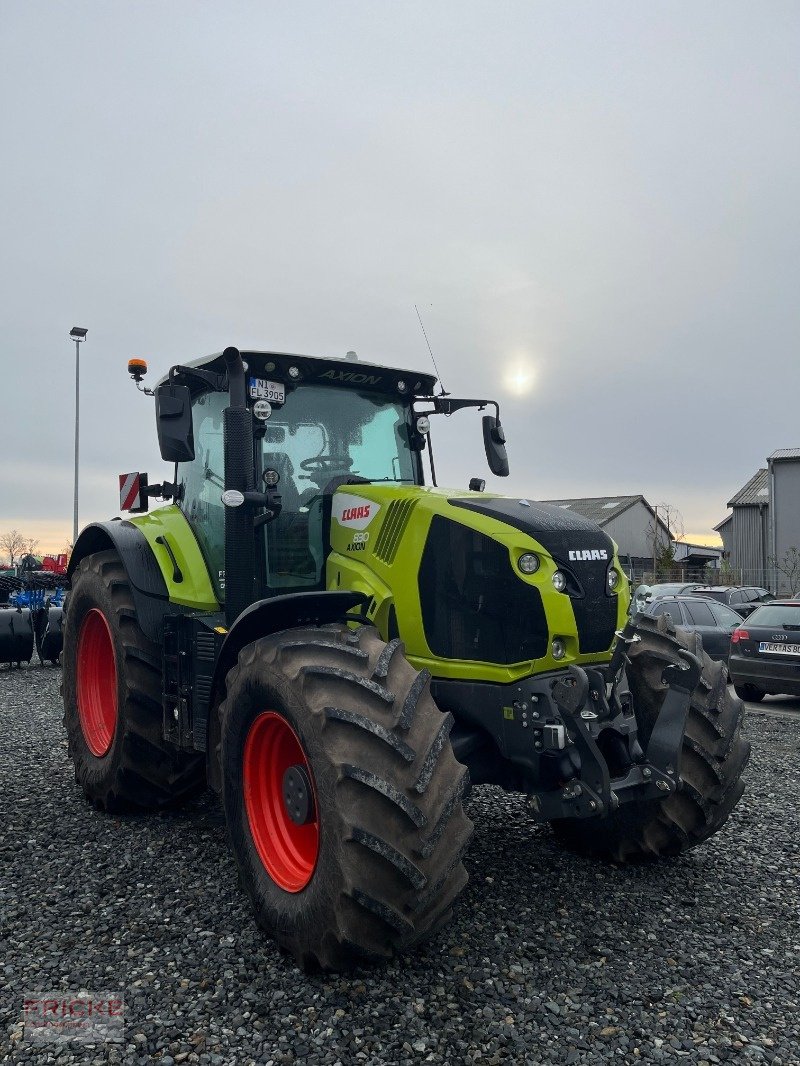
x=779, y=649
x=260, y=389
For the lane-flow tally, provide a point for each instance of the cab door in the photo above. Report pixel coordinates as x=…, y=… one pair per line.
x=202, y=482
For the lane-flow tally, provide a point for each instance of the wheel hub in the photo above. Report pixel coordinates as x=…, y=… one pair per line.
x=298, y=797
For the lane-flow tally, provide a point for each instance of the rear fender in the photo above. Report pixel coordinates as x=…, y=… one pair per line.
x=260, y=620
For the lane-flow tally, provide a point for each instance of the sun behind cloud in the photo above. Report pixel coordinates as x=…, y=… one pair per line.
x=519, y=377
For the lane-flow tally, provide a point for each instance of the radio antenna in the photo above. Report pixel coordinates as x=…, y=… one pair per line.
x=433, y=357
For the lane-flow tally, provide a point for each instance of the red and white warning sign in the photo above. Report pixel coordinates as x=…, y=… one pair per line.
x=130, y=491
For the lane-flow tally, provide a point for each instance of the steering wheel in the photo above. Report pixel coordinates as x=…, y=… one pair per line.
x=322, y=464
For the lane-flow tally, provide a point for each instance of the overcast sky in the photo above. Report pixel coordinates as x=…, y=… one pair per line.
x=595, y=207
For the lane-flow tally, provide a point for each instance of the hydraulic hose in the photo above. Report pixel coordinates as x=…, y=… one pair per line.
x=240, y=559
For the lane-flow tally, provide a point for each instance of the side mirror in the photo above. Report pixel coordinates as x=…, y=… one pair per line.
x=494, y=441
x=174, y=423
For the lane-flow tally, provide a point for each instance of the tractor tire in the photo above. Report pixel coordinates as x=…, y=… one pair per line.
x=713, y=758
x=337, y=727
x=111, y=689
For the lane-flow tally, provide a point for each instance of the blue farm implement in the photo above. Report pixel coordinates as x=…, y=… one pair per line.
x=32, y=616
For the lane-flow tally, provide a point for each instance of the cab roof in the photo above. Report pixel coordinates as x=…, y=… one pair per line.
x=321, y=370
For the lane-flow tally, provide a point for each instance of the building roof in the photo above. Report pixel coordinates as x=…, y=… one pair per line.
x=754, y=492
x=600, y=509
x=785, y=453
x=724, y=522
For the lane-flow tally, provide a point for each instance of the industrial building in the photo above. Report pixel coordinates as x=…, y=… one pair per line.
x=762, y=532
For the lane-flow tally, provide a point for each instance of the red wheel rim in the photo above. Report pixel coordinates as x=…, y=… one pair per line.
x=287, y=850
x=97, y=683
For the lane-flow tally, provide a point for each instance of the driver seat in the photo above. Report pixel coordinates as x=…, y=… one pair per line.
x=290, y=497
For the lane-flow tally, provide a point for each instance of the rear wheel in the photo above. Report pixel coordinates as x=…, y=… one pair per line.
x=112, y=698
x=713, y=758
x=342, y=796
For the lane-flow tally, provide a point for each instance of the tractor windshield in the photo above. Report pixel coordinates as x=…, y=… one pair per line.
x=321, y=432
x=318, y=434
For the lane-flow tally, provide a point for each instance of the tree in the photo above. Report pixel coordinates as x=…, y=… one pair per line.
x=672, y=519
x=665, y=562
x=662, y=549
x=30, y=545
x=789, y=568
x=13, y=544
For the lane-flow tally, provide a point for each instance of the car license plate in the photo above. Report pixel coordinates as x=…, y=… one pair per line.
x=260, y=389
x=779, y=649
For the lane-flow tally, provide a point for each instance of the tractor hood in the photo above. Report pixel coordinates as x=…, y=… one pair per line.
x=442, y=566
x=567, y=536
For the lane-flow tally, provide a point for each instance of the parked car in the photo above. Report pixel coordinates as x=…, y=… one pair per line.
x=713, y=621
x=765, y=654
x=645, y=594
x=742, y=598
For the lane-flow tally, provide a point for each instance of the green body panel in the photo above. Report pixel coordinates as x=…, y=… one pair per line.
x=195, y=590
x=389, y=575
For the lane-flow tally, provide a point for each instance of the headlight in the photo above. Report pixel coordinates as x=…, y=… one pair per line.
x=558, y=649
x=613, y=579
x=528, y=563
x=423, y=424
x=559, y=581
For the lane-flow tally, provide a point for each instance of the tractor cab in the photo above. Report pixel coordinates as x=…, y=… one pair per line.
x=317, y=425
x=310, y=436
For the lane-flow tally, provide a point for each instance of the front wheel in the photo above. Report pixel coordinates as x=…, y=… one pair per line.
x=342, y=796
x=713, y=757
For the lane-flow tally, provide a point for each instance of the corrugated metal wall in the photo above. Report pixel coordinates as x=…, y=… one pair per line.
x=746, y=539
x=785, y=516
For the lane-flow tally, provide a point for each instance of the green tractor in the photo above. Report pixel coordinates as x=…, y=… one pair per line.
x=341, y=649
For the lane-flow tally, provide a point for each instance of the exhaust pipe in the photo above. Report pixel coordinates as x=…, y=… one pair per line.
x=240, y=549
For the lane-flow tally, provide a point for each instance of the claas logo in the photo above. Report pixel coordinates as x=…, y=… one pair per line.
x=582, y=555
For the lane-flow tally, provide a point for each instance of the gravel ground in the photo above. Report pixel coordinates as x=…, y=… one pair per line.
x=551, y=959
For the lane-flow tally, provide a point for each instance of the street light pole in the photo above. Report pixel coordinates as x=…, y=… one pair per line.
x=78, y=334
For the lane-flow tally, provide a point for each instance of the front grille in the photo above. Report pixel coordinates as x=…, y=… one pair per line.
x=474, y=606
x=388, y=540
